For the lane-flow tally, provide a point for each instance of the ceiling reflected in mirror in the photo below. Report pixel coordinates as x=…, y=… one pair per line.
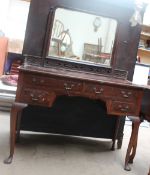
x=82, y=37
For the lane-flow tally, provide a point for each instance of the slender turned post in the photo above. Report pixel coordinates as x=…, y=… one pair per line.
x=16, y=108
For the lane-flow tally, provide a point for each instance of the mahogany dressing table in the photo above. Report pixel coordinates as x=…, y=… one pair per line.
x=57, y=63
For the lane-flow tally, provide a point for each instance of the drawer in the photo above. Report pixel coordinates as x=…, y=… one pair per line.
x=122, y=108
x=55, y=83
x=36, y=97
x=126, y=94
x=97, y=90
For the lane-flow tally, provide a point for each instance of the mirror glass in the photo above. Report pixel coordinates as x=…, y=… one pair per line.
x=82, y=37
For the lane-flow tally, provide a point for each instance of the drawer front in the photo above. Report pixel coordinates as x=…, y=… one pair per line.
x=36, y=97
x=55, y=83
x=97, y=90
x=126, y=94
x=122, y=108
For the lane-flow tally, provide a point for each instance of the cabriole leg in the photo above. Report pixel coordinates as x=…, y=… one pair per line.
x=131, y=151
x=16, y=109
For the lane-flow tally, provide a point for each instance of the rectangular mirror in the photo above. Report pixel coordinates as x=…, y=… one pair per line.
x=82, y=37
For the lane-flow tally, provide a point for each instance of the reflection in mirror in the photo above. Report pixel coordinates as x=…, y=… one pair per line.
x=83, y=37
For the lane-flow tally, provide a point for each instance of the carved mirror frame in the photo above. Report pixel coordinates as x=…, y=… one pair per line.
x=72, y=64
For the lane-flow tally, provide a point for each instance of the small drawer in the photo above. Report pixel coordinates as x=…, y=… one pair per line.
x=121, y=108
x=127, y=94
x=37, y=97
x=33, y=80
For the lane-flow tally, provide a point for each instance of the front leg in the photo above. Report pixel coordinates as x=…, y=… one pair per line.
x=135, y=127
x=115, y=134
x=16, y=108
x=131, y=151
x=18, y=126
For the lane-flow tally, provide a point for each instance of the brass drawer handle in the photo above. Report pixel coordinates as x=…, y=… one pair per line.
x=42, y=81
x=123, y=108
x=68, y=87
x=126, y=94
x=98, y=91
x=34, y=98
x=37, y=99
x=35, y=80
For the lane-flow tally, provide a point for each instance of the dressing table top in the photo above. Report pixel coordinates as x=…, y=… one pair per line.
x=84, y=76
